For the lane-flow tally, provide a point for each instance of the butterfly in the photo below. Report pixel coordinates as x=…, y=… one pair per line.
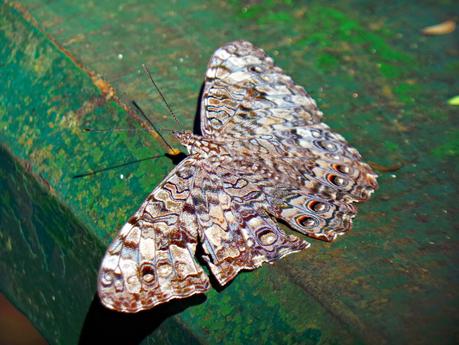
x=264, y=155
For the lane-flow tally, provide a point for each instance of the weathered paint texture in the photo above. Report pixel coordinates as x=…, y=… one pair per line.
x=380, y=83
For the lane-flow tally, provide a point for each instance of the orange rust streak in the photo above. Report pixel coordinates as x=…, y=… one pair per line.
x=384, y=168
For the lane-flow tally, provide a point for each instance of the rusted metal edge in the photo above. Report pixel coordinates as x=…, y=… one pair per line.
x=107, y=90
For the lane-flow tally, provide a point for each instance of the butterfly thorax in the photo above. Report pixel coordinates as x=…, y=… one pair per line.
x=196, y=144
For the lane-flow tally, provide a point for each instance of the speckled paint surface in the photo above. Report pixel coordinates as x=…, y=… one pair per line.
x=379, y=82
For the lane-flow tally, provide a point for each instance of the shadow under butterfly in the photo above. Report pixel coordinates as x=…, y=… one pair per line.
x=106, y=326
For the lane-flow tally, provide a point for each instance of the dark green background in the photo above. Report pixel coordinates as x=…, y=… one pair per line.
x=380, y=83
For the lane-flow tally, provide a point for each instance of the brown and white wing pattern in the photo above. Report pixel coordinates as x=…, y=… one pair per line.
x=151, y=261
x=246, y=94
x=309, y=176
x=236, y=230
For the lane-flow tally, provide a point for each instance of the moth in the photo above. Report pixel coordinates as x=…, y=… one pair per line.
x=264, y=155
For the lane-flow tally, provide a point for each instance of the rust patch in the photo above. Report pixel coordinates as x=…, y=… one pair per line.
x=89, y=106
x=385, y=168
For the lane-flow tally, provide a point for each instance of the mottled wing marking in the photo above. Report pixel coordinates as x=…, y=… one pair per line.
x=151, y=261
x=309, y=175
x=246, y=94
x=236, y=230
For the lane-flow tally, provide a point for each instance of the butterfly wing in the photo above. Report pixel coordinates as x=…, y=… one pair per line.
x=246, y=94
x=151, y=260
x=235, y=228
x=309, y=175
x=310, y=184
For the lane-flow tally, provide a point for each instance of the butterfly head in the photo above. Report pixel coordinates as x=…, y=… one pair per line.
x=186, y=138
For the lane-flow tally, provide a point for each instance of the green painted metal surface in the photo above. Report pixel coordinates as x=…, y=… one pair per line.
x=380, y=83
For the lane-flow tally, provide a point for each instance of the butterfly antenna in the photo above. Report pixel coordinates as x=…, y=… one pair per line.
x=105, y=130
x=93, y=172
x=141, y=112
x=109, y=130
x=147, y=71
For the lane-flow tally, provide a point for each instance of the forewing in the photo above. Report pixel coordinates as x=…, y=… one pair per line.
x=246, y=94
x=151, y=260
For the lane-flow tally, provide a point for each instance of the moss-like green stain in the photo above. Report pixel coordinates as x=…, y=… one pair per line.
x=449, y=146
